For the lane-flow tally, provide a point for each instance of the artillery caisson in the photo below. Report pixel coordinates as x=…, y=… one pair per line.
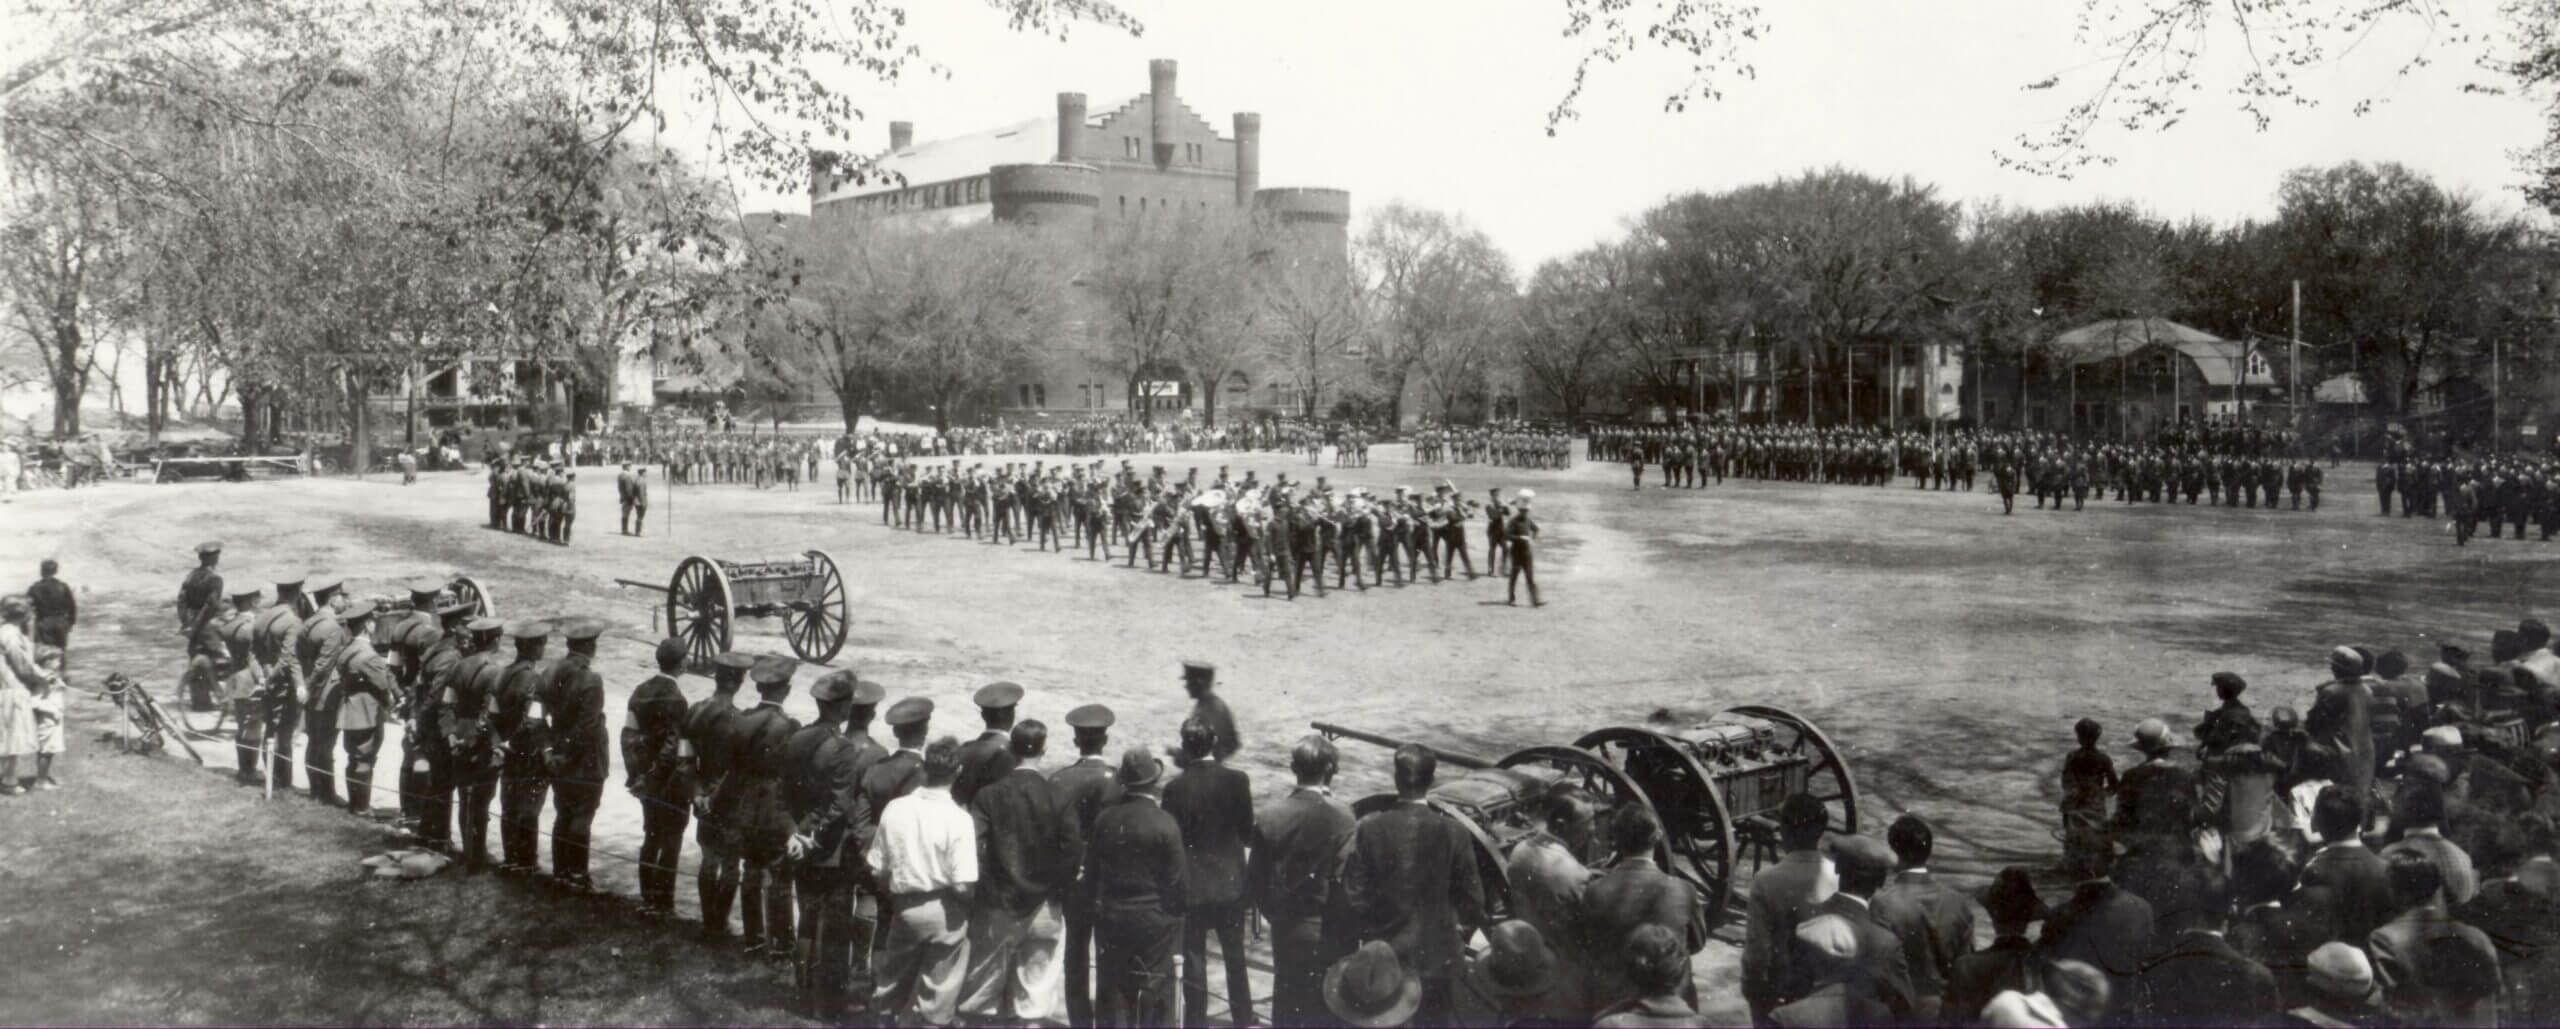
x=1715, y=786
x=706, y=596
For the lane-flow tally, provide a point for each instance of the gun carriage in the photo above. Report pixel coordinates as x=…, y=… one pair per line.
x=706, y=596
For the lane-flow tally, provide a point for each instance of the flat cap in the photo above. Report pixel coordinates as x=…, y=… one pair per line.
x=1854, y=851
x=485, y=624
x=209, y=548
x=529, y=628
x=833, y=686
x=2342, y=971
x=2448, y=737
x=909, y=711
x=773, y=669
x=1198, y=669
x=997, y=695
x=1090, y=716
x=582, y=629
x=733, y=660
x=1829, y=935
x=670, y=651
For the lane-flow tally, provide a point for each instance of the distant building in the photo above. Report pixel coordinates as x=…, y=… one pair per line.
x=1076, y=172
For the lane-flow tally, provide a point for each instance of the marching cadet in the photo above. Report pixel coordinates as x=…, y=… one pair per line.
x=1084, y=789
x=366, y=689
x=1497, y=520
x=755, y=743
x=519, y=726
x=238, y=629
x=471, y=739
x=2004, y=476
x=822, y=791
x=1523, y=535
x=578, y=757
x=654, y=760
x=987, y=758
x=1635, y=467
x=706, y=734
x=1200, y=679
x=427, y=759
x=318, y=646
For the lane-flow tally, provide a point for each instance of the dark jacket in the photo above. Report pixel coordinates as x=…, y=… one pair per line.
x=752, y=795
x=2105, y=927
x=2010, y=963
x=1213, y=805
x=1027, y=841
x=2434, y=970
x=1410, y=878
x=573, y=697
x=1934, y=922
x=1297, y=851
x=894, y=775
x=982, y=761
x=2200, y=980
x=1133, y=870
x=2282, y=938
x=651, y=728
x=1634, y=893
x=2352, y=885
x=1881, y=975
x=820, y=788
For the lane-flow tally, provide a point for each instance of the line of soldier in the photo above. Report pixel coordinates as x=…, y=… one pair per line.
x=1283, y=533
x=2051, y=471
x=533, y=496
x=1500, y=446
x=2505, y=492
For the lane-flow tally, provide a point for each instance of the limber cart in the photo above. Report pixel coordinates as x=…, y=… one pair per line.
x=707, y=595
x=1715, y=787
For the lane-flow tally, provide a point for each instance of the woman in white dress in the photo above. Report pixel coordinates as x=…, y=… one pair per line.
x=18, y=675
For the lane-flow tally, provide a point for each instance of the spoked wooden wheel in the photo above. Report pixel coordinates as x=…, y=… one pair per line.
x=1594, y=775
x=816, y=624
x=1826, y=776
x=698, y=610
x=474, y=596
x=1694, y=820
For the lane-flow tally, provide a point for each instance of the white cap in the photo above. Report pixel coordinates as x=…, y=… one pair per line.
x=1527, y=494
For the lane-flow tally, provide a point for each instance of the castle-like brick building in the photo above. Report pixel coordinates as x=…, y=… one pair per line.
x=1074, y=171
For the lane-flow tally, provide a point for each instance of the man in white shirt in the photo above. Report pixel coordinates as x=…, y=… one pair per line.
x=925, y=859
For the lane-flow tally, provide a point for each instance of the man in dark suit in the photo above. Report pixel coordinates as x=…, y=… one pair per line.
x=2344, y=877
x=2102, y=926
x=2434, y=969
x=2199, y=978
x=1933, y=921
x=1133, y=880
x=822, y=790
x=1409, y=877
x=1030, y=844
x=1635, y=892
x=1213, y=805
x=2010, y=963
x=2271, y=925
x=987, y=758
x=1084, y=789
x=1877, y=971
x=1297, y=851
x=899, y=773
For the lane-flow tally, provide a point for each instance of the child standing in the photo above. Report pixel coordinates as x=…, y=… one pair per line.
x=2088, y=783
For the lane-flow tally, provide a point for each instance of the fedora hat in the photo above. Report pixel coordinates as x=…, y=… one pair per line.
x=1518, y=963
x=1370, y=988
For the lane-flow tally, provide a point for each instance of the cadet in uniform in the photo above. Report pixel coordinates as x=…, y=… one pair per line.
x=365, y=690
x=987, y=758
x=1523, y=534
x=706, y=734
x=654, y=760
x=238, y=629
x=578, y=758
x=756, y=739
x=1084, y=788
x=199, y=600
x=1200, y=679
x=317, y=648
x=519, y=728
x=471, y=739
x=821, y=790
x=429, y=760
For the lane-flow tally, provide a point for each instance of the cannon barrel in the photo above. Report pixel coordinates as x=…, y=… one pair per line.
x=1448, y=757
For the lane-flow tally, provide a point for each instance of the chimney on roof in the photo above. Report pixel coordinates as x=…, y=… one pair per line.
x=1248, y=156
x=1160, y=104
x=901, y=133
x=1070, y=126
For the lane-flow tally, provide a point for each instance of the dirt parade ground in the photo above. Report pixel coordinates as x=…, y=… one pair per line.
x=1946, y=648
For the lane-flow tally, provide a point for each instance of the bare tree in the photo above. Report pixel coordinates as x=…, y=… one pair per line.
x=1164, y=280
x=983, y=297
x=1316, y=312
x=1439, y=283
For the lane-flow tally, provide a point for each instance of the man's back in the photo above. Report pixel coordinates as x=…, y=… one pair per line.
x=2106, y=928
x=1030, y=840
x=1934, y=923
x=1411, y=880
x=2200, y=979
x=1133, y=866
x=1782, y=896
x=1212, y=805
x=1297, y=847
x=2354, y=887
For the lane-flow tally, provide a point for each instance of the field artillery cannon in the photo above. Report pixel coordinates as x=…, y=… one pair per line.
x=1715, y=786
x=706, y=596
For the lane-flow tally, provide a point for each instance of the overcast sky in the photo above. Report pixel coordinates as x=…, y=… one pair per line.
x=1443, y=103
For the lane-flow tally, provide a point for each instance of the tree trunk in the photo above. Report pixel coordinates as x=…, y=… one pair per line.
x=849, y=404
x=252, y=418
x=69, y=385
x=942, y=410
x=359, y=427
x=1209, y=402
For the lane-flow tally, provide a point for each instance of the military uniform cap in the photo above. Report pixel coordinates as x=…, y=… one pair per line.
x=1867, y=852
x=909, y=711
x=485, y=624
x=529, y=628
x=1090, y=716
x=582, y=629
x=325, y=583
x=425, y=587
x=734, y=661
x=209, y=548
x=1198, y=670
x=773, y=669
x=361, y=608
x=998, y=695
x=292, y=582
x=834, y=686
x=246, y=589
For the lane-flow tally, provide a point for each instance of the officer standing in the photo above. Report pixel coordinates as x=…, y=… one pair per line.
x=1523, y=535
x=706, y=735
x=898, y=774
x=318, y=648
x=239, y=631
x=654, y=760
x=519, y=727
x=1200, y=679
x=471, y=739
x=199, y=600
x=822, y=791
x=987, y=758
x=1085, y=788
x=428, y=761
x=366, y=689
x=579, y=757
x=1133, y=877
x=756, y=740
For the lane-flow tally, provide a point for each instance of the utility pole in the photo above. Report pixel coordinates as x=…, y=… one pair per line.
x=2293, y=362
x=2497, y=392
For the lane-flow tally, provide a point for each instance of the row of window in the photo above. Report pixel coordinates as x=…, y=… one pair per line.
x=1134, y=148
x=924, y=198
